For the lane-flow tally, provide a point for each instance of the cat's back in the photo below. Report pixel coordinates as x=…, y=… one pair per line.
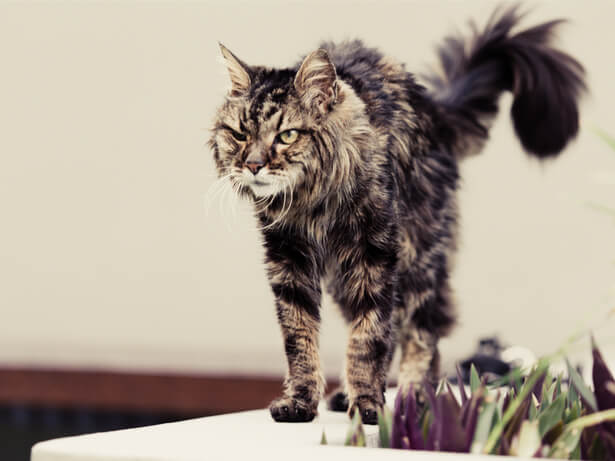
x=379, y=80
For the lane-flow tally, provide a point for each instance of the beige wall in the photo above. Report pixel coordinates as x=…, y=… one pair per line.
x=107, y=255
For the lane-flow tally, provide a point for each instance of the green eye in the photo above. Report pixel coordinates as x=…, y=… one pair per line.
x=288, y=136
x=238, y=136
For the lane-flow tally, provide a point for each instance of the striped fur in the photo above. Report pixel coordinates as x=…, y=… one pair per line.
x=364, y=198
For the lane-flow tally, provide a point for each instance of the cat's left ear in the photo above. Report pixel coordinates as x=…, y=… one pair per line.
x=238, y=71
x=316, y=81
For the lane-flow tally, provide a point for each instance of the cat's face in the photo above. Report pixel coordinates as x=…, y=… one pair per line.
x=265, y=137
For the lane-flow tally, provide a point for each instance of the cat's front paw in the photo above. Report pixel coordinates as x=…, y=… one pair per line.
x=290, y=410
x=367, y=408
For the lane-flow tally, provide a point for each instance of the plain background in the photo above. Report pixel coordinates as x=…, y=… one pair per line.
x=109, y=258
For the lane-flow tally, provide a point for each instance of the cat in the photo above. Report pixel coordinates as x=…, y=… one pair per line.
x=352, y=167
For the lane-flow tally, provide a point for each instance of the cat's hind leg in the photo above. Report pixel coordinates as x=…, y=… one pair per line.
x=430, y=318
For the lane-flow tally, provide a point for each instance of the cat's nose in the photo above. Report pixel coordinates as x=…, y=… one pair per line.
x=255, y=166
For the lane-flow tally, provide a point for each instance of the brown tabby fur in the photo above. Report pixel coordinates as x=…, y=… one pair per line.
x=365, y=197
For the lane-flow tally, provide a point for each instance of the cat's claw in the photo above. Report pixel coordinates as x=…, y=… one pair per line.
x=291, y=411
x=368, y=409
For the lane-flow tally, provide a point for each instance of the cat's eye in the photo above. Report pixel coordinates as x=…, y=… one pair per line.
x=238, y=136
x=288, y=136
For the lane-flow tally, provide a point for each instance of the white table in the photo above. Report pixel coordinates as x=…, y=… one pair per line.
x=250, y=435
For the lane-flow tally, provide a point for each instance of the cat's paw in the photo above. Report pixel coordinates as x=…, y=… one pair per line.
x=338, y=401
x=367, y=408
x=290, y=410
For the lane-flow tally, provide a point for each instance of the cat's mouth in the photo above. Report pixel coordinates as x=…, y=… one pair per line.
x=260, y=186
x=264, y=189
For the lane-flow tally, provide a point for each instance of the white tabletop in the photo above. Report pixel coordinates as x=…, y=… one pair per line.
x=246, y=435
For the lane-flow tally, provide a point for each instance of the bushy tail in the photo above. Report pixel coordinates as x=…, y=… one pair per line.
x=546, y=84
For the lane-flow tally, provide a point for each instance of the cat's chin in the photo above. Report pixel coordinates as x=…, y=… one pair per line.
x=262, y=190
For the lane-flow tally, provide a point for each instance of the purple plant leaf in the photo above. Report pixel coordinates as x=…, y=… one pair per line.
x=412, y=422
x=608, y=439
x=589, y=441
x=470, y=417
x=537, y=389
x=460, y=383
x=405, y=444
x=399, y=401
x=475, y=398
x=553, y=434
x=514, y=425
x=539, y=452
x=431, y=396
x=504, y=448
x=434, y=438
x=452, y=394
x=398, y=432
x=506, y=401
x=604, y=386
x=432, y=442
x=601, y=376
x=452, y=433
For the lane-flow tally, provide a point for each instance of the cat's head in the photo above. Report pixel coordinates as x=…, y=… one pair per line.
x=276, y=126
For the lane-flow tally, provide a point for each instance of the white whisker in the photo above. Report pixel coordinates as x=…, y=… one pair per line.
x=284, y=210
x=214, y=190
x=266, y=200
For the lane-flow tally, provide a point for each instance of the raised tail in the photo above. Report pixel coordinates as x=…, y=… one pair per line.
x=546, y=84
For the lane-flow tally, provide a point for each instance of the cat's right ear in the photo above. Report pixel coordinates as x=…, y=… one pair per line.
x=238, y=71
x=316, y=81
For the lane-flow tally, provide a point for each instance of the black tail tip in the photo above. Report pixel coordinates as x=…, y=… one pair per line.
x=545, y=128
x=547, y=85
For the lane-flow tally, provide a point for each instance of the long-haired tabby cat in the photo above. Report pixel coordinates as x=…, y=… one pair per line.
x=353, y=170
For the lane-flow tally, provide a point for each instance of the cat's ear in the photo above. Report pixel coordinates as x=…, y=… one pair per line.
x=316, y=81
x=238, y=71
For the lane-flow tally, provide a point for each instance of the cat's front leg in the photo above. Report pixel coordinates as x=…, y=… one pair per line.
x=366, y=294
x=366, y=363
x=295, y=280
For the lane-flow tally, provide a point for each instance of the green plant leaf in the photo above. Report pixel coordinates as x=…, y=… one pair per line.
x=356, y=435
x=514, y=425
x=528, y=442
x=385, y=422
x=510, y=379
x=551, y=415
x=587, y=395
x=538, y=373
x=573, y=412
x=426, y=421
x=558, y=386
x=571, y=396
x=550, y=437
x=576, y=453
x=601, y=208
x=592, y=419
x=606, y=137
x=548, y=394
x=567, y=442
x=483, y=426
x=474, y=379
x=534, y=404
